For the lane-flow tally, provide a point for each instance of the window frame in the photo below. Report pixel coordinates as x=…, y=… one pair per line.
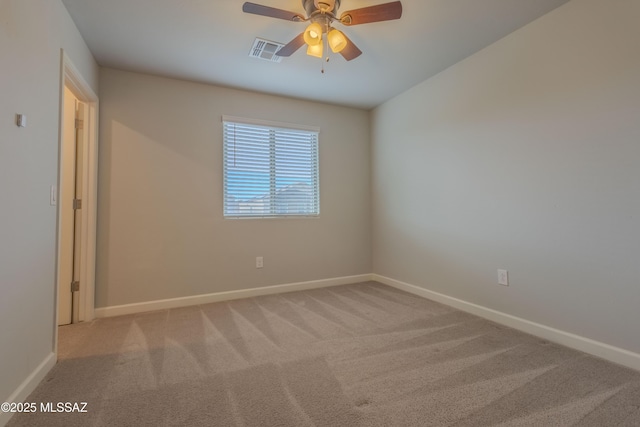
x=272, y=126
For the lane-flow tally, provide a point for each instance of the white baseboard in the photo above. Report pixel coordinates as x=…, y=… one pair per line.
x=28, y=385
x=596, y=348
x=120, y=310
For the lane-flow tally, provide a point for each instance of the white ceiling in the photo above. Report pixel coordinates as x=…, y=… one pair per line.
x=209, y=41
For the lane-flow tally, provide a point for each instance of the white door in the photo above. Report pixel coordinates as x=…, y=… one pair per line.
x=77, y=218
x=70, y=190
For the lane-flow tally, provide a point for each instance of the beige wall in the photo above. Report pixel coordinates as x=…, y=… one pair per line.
x=161, y=233
x=524, y=156
x=31, y=35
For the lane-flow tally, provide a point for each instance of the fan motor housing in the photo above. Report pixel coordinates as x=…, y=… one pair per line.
x=311, y=6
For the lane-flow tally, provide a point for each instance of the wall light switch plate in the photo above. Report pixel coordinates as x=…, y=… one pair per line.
x=259, y=262
x=21, y=120
x=53, y=195
x=503, y=277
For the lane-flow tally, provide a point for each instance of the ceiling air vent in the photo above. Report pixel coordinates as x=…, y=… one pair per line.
x=265, y=49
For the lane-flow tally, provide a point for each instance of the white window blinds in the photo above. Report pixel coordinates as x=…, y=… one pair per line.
x=269, y=170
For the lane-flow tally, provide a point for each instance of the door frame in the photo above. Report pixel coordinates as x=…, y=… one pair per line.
x=71, y=78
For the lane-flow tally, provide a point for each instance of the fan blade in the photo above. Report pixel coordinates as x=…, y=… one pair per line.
x=381, y=12
x=292, y=46
x=351, y=51
x=258, y=9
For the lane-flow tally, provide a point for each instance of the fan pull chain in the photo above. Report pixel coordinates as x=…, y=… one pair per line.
x=326, y=49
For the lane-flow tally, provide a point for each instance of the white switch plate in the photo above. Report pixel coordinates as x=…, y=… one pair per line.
x=53, y=196
x=259, y=262
x=503, y=277
x=21, y=120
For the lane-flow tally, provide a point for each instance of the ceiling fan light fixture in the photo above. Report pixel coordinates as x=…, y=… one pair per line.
x=337, y=40
x=315, y=50
x=313, y=34
x=320, y=14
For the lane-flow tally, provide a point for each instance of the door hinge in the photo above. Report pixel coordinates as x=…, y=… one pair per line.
x=77, y=204
x=79, y=124
x=75, y=286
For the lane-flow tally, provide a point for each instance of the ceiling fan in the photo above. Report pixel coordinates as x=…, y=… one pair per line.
x=322, y=14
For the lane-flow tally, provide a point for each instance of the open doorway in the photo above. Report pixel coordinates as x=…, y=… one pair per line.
x=77, y=198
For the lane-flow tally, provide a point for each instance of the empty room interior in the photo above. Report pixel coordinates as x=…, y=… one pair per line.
x=419, y=213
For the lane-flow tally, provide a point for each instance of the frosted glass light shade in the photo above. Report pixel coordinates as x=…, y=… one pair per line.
x=337, y=40
x=315, y=50
x=313, y=34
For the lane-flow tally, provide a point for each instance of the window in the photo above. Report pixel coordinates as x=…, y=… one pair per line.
x=270, y=169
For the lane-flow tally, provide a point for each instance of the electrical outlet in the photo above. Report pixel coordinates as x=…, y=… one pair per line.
x=259, y=262
x=503, y=277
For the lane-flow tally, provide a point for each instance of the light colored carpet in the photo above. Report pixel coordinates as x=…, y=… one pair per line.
x=356, y=355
